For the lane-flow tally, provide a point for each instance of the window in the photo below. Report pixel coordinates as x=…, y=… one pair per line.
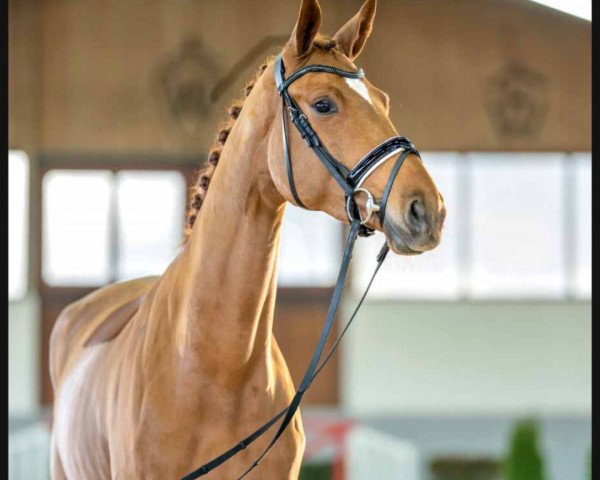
x=100, y=226
x=583, y=225
x=518, y=226
x=150, y=208
x=311, y=249
x=76, y=227
x=18, y=217
x=516, y=231
x=434, y=275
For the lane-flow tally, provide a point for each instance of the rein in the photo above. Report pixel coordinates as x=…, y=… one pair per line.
x=351, y=182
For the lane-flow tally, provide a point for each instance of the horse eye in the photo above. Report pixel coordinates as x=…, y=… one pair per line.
x=324, y=106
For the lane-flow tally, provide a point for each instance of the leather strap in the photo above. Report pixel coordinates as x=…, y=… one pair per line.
x=376, y=157
x=288, y=159
x=283, y=84
x=390, y=183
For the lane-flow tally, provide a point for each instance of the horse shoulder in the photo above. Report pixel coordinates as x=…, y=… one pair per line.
x=95, y=318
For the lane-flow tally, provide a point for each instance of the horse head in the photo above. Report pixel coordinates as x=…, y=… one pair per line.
x=351, y=117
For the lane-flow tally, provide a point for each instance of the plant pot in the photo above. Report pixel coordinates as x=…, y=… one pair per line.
x=464, y=468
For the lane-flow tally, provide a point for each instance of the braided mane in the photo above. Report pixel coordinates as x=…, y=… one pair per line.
x=199, y=189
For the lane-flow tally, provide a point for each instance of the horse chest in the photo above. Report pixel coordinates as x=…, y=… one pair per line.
x=170, y=442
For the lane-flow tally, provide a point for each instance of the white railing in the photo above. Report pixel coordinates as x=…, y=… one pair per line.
x=373, y=455
x=29, y=453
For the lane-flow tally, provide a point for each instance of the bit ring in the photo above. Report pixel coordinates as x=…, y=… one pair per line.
x=371, y=205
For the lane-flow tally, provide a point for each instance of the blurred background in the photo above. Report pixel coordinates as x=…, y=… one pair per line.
x=470, y=362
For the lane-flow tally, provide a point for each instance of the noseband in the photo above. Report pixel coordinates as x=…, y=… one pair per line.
x=351, y=181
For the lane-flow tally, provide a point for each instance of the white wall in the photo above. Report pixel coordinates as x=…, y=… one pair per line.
x=468, y=358
x=23, y=356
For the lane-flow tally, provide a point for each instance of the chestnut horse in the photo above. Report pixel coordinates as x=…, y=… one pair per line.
x=156, y=376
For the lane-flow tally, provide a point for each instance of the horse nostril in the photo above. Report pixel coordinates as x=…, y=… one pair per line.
x=417, y=214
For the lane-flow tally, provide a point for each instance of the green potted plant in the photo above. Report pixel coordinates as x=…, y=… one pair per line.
x=589, y=464
x=524, y=460
x=315, y=471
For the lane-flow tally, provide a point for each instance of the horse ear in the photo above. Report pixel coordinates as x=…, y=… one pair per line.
x=351, y=38
x=307, y=26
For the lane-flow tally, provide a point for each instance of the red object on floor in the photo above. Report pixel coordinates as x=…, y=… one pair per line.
x=322, y=433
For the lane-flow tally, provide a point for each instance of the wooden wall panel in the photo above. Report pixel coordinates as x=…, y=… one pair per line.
x=102, y=69
x=23, y=74
x=299, y=319
x=454, y=70
x=439, y=59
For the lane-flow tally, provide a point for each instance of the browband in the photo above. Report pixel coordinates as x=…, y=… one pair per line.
x=284, y=84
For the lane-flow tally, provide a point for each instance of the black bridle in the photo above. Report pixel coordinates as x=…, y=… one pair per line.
x=351, y=182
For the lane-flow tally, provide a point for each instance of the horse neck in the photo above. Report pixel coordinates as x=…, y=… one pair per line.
x=225, y=279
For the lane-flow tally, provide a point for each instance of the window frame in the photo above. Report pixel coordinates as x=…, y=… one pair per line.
x=27, y=240
x=187, y=164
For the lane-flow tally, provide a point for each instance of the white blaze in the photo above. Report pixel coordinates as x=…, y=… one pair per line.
x=359, y=87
